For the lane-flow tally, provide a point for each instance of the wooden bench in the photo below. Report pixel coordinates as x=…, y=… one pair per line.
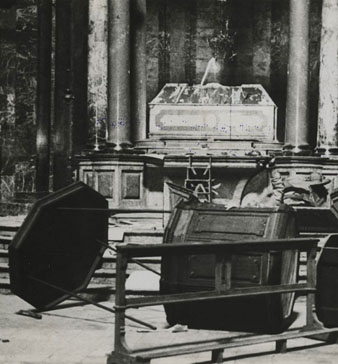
x=223, y=252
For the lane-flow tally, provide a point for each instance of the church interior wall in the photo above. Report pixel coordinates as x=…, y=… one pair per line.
x=178, y=49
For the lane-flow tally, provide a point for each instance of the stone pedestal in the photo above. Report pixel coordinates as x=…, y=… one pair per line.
x=327, y=141
x=138, y=182
x=127, y=181
x=297, y=128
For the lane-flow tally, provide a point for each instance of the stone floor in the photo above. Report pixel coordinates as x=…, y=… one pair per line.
x=77, y=333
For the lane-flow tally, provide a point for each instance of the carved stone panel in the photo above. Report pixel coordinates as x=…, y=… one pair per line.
x=131, y=185
x=105, y=183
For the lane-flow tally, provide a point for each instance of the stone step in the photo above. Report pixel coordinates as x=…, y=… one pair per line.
x=13, y=209
x=11, y=223
x=5, y=241
x=5, y=286
x=9, y=233
x=4, y=267
x=104, y=276
x=99, y=276
x=3, y=255
x=109, y=262
x=135, y=235
x=142, y=229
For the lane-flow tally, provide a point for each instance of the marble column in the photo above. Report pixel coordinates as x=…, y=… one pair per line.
x=43, y=111
x=297, y=124
x=97, y=73
x=327, y=139
x=118, y=120
x=138, y=83
x=64, y=99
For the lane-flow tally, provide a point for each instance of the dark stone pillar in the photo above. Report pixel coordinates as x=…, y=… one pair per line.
x=118, y=74
x=79, y=61
x=43, y=113
x=138, y=69
x=327, y=140
x=62, y=173
x=297, y=125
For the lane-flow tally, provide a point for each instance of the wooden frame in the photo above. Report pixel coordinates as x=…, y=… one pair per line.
x=123, y=354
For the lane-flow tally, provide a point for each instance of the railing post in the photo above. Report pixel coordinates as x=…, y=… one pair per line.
x=311, y=273
x=120, y=302
x=281, y=346
x=217, y=356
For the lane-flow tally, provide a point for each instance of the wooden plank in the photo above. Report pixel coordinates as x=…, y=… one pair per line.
x=217, y=247
x=212, y=295
x=212, y=223
x=227, y=343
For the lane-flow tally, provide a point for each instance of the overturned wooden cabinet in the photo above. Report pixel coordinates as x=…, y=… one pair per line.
x=194, y=222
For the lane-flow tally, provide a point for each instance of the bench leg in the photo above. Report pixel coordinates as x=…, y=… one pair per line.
x=217, y=356
x=281, y=346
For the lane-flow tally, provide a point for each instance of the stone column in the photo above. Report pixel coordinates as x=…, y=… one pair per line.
x=43, y=112
x=138, y=69
x=63, y=105
x=327, y=140
x=97, y=73
x=118, y=74
x=297, y=125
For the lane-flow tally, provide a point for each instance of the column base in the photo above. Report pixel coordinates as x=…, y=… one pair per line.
x=327, y=151
x=94, y=148
x=111, y=149
x=119, y=147
x=300, y=150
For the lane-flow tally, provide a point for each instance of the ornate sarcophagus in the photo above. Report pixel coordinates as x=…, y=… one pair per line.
x=214, y=111
x=193, y=222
